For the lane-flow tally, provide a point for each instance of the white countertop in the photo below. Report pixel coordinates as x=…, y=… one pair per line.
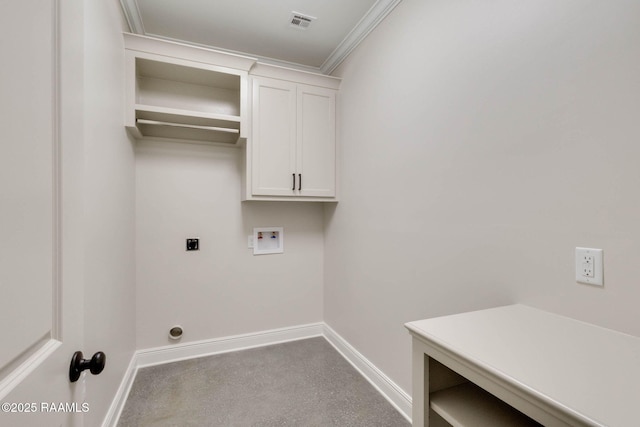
x=583, y=369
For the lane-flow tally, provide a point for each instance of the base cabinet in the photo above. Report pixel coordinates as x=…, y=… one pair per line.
x=292, y=150
x=521, y=366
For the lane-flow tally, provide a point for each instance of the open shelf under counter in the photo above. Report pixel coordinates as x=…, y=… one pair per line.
x=467, y=405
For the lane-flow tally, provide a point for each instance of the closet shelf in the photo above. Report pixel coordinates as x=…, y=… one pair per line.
x=179, y=94
x=164, y=122
x=155, y=109
x=181, y=125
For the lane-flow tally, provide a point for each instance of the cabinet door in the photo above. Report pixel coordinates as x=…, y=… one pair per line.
x=316, y=135
x=274, y=137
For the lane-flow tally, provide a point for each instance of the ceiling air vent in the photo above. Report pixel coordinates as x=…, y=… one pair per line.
x=300, y=20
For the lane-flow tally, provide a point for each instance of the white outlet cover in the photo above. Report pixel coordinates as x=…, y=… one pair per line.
x=598, y=266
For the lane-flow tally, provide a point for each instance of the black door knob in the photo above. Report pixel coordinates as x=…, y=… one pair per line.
x=78, y=364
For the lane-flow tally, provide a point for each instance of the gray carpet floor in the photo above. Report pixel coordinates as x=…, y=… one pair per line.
x=301, y=383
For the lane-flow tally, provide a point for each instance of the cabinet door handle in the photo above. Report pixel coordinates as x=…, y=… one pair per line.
x=299, y=181
x=294, y=181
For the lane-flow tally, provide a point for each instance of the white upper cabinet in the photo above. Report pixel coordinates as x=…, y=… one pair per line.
x=291, y=154
x=284, y=120
x=184, y=92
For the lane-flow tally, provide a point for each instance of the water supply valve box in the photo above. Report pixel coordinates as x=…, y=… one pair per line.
x=268, y=240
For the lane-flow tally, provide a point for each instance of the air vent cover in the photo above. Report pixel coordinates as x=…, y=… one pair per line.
x=300, y=20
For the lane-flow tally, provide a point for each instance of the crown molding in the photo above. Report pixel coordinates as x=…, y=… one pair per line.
x=257, y=58
x=369, y=21
x=132, y=14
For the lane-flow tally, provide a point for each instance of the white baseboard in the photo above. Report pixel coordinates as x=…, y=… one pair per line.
x=387, y=388
x=191, y=350
x=113, y=415
x=173, y=353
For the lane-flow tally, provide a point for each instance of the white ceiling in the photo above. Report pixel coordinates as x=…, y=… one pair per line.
x=261, y=28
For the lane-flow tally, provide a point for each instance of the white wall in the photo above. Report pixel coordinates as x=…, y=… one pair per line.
x=109, y=207
x=481, y=142
x=193, y=190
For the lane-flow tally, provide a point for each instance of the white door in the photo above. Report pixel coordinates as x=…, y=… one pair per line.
x=40, y=212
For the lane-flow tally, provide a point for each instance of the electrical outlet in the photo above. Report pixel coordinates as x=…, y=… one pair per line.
x=589, y=266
